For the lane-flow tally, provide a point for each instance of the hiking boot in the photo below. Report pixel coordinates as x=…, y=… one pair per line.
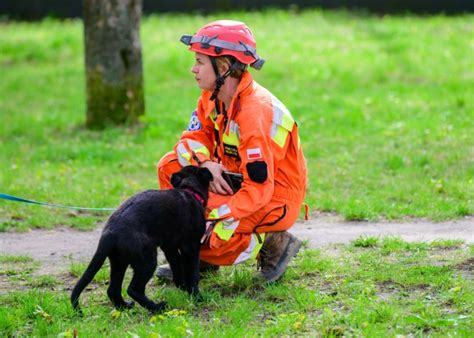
x=164, y=271
x=277, y=251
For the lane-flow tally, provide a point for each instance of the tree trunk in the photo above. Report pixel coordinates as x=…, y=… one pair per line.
x=114, y=74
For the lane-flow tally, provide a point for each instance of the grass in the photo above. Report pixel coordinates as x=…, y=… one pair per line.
x=410, y=289
x=384, y=105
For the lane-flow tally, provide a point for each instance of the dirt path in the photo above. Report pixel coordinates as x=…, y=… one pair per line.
x=55, y=248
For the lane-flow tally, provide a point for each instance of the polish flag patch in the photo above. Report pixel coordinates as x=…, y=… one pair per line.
x=254, y=153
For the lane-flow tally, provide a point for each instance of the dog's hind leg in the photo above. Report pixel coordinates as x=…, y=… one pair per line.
x=118, y=266
x=143, y=270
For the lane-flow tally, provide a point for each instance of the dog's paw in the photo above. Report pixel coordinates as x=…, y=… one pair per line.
x=126, y=304
x=198, y=297
x=78, y=312
x=180, y=284
x=158, y=307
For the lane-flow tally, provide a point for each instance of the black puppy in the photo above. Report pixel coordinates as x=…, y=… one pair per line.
x=170, y=219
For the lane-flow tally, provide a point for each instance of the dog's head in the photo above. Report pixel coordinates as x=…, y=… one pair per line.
x=194, y=178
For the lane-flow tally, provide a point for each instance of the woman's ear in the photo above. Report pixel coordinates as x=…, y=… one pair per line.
x=224, y=67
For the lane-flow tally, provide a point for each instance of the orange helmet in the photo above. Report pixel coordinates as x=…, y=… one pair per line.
x=226, y=37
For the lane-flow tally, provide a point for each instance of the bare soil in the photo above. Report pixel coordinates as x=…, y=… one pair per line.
x=55, y=249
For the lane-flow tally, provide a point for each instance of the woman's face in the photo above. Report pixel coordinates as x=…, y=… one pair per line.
x=203, y=72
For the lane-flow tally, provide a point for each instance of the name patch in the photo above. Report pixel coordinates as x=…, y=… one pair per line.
x=231, y=151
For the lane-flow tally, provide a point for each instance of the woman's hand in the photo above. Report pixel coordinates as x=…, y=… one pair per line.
x=218, y=184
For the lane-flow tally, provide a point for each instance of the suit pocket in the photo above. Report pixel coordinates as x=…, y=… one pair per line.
x=276, y=213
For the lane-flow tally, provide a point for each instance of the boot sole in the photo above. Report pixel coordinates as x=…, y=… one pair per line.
x=164, y=273
x=291, y=251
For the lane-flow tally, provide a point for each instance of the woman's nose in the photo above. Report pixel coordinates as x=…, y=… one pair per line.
x=194, y=69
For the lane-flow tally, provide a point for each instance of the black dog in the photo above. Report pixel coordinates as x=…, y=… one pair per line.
x=170, y=219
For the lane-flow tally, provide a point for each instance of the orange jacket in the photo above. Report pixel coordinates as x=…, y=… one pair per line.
x=258, y=139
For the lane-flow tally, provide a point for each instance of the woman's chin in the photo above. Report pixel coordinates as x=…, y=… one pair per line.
x=205, y=87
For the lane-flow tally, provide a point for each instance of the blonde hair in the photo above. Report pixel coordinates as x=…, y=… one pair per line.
x=227, y=60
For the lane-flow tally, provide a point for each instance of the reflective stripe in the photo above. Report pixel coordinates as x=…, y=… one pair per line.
x=214, y=41
x=225, y=228
x=280, y=136
x=281, y=115
x=223, y=210
x=214, y=214
x=220, y=212
x=282, y=122
x=231, y=139
x=234, y=134
x=202, y=150
x=207, y=41
x=183, y=156
x=198, y=147
x=252, y=250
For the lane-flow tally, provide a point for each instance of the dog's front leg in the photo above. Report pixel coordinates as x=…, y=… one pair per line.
x=174, y=259
x=190, y=260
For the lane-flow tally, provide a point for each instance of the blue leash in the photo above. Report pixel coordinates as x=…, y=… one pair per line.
x=18, y=199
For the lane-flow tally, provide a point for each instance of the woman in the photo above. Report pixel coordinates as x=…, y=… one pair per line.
x=240, y=127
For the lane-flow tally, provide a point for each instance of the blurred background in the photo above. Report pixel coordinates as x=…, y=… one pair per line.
x=37, y=9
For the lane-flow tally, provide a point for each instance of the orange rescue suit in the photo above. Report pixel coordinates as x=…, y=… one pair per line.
x=258, y=138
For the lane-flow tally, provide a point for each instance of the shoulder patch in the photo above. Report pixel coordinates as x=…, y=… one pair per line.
x=194, y=123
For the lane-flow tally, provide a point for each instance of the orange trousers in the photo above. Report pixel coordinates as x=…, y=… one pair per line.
x=278, y=215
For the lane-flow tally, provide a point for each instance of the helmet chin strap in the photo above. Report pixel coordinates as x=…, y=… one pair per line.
x=220, y=79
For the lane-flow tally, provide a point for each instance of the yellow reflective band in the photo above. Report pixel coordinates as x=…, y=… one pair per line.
x=281, y=115
x=214, y=214
x=198, y=147
x=282, y=122
x=183, y=156
x=202, y=150
x=231, y=139
x=280, y=136
x=220, y=212
x=258, y=246
x=225, y=229
x=252, y=250
x=213, y=115
x=287, y=121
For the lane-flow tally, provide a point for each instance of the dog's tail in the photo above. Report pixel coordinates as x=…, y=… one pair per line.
x=103, y=249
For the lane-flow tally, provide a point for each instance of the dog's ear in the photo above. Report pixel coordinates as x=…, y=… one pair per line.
x=205, y=175
x=176, y=179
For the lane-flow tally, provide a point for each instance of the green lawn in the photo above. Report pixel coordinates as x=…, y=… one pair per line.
x=375, y=287
x=385, y=107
